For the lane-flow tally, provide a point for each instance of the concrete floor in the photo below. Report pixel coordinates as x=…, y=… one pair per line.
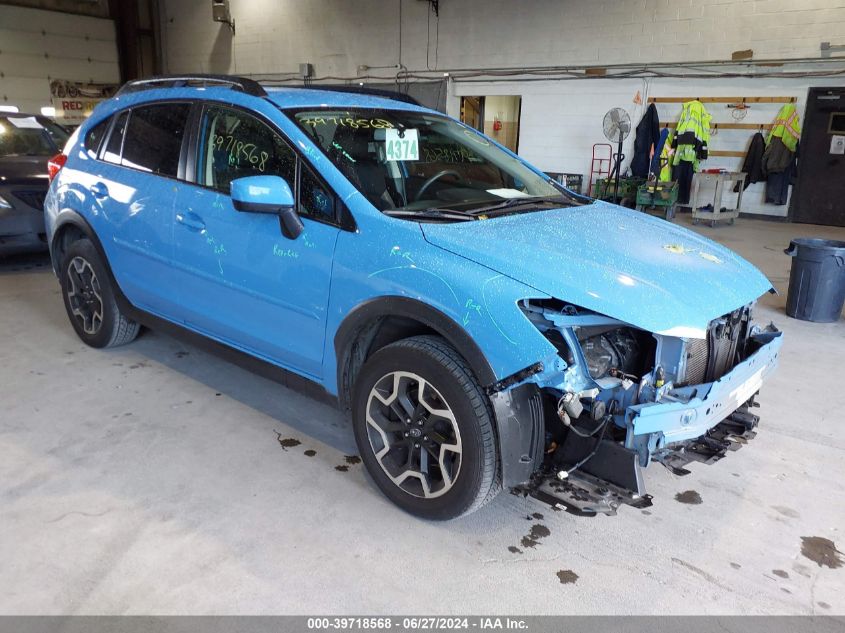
x=151, y=479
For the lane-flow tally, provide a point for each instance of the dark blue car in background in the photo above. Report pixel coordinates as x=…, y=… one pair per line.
x=27, y=141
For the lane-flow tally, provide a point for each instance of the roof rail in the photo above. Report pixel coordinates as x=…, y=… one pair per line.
x=242, y=84
x=363, y=90
x=250, y=86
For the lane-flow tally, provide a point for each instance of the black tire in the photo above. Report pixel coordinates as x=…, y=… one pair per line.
x=476, y=480
x=87, y=292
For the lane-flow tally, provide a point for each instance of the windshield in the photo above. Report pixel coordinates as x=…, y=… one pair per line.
x=409, y=164
x=30, y=136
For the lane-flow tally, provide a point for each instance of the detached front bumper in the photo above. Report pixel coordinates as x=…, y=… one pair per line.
x=690, y=412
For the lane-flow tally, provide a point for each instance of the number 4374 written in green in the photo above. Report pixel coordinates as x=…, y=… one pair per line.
x=404, y=147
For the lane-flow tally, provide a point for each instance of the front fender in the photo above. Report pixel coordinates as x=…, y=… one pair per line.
x=471, y=302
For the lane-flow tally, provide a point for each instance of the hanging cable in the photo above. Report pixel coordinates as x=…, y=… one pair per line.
x=400, y=33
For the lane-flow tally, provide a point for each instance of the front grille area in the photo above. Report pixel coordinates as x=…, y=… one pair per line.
x=711, y=358
x=32, y=197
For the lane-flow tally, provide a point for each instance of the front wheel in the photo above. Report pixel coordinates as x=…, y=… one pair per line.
x=424, y=429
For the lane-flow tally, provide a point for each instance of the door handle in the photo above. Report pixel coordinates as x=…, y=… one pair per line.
x=190, y=220
x=99, y=190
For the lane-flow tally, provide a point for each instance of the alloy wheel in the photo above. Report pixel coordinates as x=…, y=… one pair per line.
x=414, y=434
x=83, y=293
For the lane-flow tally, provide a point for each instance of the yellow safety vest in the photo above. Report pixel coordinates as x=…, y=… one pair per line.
x=787, y=127
x=695, y=122
x=666, y=155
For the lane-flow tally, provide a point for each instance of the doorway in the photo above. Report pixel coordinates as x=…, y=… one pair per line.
x=820, y=188
x=497, y=116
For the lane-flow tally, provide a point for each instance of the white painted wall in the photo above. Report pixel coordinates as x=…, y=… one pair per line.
x=37, y=45
x=560, y=120
x=337, y=36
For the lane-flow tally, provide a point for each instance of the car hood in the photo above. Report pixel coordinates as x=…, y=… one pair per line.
x=23, y=170
x=621, y=263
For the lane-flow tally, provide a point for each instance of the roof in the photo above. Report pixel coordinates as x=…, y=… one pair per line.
x=333, y=95
x=288, y=97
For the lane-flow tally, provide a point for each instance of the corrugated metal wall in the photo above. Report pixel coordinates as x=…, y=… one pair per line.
x=37, y=46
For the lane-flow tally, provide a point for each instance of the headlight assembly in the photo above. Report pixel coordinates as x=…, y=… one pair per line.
x=615, y=349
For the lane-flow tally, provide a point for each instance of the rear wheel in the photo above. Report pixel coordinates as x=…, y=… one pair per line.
x=89, y=299
x=424, y=429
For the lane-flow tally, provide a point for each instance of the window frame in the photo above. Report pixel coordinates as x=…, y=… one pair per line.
x=342, y=216
x=109, y=121
x=181, y=166
x=104, y=144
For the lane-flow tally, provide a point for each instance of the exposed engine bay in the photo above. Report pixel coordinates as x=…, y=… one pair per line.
x=623, y=397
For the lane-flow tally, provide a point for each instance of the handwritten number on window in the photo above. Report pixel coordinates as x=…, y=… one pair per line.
x=238, y=151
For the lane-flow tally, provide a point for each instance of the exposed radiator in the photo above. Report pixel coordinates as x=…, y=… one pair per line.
x=697, y=357
x=711, y=358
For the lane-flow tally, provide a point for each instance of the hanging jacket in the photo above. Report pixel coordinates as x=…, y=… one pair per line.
x=777, y=157
x=777, y=183
x=753, y=163
x=666, y=156
x=657, y=160
x=693, y=134
x=787, y=127
x=648, y=135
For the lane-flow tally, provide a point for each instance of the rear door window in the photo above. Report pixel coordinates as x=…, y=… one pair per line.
x=112, y=153
x=94, y=138
x=154, y=138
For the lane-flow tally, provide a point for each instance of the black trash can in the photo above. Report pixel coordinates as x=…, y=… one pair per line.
x=817, y=280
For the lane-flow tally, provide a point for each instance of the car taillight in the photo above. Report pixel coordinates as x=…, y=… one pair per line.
x=54, y=165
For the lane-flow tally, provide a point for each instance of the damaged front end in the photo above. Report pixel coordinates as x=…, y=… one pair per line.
x=616, y=398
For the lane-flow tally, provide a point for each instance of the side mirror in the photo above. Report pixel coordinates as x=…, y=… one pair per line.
x=268, y=194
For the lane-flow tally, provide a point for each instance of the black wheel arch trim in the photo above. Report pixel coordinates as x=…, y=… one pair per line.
x=78, y=221
x=377, y=308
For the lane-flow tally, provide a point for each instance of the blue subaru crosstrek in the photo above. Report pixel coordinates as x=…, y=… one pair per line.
x=485, y=327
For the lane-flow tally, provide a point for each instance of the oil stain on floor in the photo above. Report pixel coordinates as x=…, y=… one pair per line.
x=567, y=577
x=531, y=540
x=690, y=497
x=287, y=442
x=822, y=551
x=310, y=452
x=351, y=460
